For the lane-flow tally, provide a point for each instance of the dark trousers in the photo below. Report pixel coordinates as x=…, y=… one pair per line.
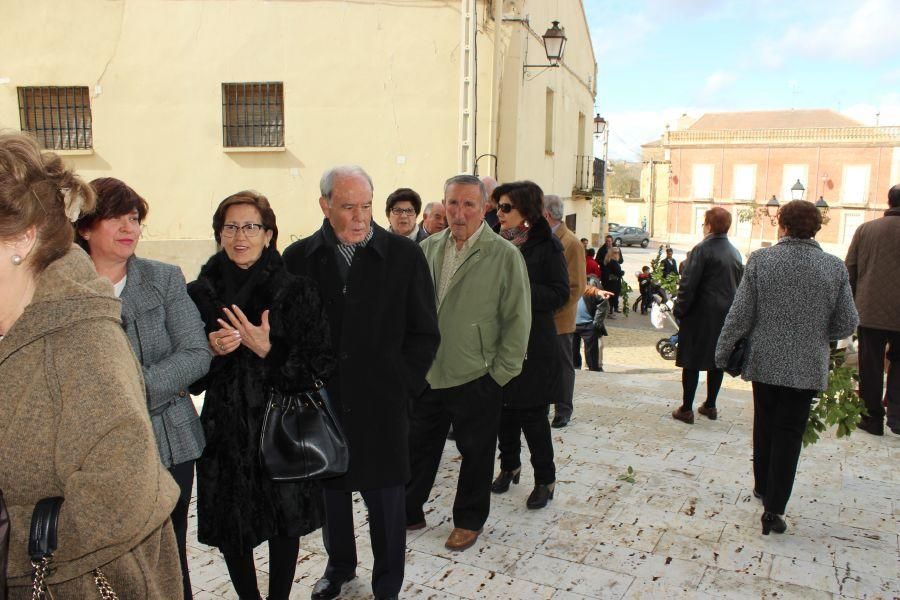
x=593, y=347
x=690, y=378
x=534, y=424
x=566, y=377
x=474, y=410
x=872, y=344
x=387, y=530
x=779, y=420
x=283, y=552
x=183, y=474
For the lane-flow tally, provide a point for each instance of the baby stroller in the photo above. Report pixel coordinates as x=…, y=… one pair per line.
x=660, y=311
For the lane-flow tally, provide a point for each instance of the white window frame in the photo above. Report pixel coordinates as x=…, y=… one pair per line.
x=695, y=171
x=790, y=175
x=847, y=197
x=846, y=239
x=699, y=216
x=750, y=193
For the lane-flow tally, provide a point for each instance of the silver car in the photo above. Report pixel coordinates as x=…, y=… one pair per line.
x=630, y=236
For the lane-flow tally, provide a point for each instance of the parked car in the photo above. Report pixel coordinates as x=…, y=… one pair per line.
x=629, y=236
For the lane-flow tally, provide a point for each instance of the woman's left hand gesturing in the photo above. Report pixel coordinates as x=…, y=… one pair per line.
x=256, y=338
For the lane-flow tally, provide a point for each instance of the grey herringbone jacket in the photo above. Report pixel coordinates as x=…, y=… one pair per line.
x=793, y=300
x=167, y=336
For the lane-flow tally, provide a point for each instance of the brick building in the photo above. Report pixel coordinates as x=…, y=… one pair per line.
x=741, y=160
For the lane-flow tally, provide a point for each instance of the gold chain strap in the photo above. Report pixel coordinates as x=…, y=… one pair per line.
x=42, y=569
x=106, y=591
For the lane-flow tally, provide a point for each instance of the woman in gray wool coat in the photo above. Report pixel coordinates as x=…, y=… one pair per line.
x=793, y=300
x=165, y=332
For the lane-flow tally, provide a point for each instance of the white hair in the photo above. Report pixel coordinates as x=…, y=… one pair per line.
x=553, y=204
x=326, y=184
x=429, y=207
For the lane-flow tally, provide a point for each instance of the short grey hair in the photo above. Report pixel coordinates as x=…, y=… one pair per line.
x=553, y=204
x=429, y=207
x=465, y=179
x=326, y=183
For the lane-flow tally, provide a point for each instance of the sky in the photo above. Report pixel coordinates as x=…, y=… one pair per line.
x=659, y=59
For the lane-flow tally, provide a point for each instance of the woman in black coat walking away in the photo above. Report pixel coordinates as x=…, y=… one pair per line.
x=267, y=330
x=526, y=398
x=705, y=294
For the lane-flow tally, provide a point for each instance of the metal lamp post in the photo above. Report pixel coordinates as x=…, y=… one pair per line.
x=601, y=129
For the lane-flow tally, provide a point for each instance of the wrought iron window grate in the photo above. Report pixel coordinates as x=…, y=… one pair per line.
x=253, y=114
x=59, y=117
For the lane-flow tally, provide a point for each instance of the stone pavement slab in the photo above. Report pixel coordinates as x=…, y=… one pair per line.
x=687, y=527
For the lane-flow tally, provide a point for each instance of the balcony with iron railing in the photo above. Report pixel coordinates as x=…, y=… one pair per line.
x=805, y=135
x=588, y=174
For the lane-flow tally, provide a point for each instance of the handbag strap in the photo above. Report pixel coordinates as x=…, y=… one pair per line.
x=42, y=543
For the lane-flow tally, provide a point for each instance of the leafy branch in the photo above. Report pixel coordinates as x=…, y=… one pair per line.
x=627, y=475
x=839, y=404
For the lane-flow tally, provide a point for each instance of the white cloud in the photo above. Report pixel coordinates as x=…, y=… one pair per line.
x=716, y=82
x=864, y=32
x=886, y=111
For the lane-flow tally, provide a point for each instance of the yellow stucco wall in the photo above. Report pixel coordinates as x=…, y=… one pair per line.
x=368, y=82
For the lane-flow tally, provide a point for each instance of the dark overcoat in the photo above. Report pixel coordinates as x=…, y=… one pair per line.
x=548, y=276
x=705, y=294
x=238, y=506
x=384, y=328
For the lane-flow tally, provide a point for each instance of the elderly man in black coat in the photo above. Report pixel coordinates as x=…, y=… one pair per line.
x=705, y=294
x=379, y=298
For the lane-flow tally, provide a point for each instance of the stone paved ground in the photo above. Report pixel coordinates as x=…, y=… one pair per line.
x=687, y=527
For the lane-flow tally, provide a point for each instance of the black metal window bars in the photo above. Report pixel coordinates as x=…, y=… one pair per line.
x=59, y=117
x=253, y=114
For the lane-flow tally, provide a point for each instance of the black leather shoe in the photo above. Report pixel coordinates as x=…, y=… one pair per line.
x=501, y=484
x=326, y=589
x=872, y=426
x=772, y=522
x=540, y=496
x=559, y=421
x=394, y=597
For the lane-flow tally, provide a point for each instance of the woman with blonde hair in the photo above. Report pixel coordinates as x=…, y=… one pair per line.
x=73, y=415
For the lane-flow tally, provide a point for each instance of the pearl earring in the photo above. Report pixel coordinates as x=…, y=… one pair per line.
x=16, y=259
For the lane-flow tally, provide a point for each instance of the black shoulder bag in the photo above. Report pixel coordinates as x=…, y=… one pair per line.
x=735, y=363
x=301, y=438
x=42, y=543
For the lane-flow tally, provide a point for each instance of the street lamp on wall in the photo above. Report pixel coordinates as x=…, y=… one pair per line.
x=797, y=191
x=599, y=125
x=823, y=209
x=601, y=131
x=772, y=207
x=554, y=47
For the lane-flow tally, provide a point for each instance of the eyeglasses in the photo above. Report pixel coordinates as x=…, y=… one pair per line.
x=505, y=207
x=403, y=211
x=251, y=230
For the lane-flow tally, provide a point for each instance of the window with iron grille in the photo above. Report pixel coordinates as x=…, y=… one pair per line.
x=59, y=117
x=253, y=114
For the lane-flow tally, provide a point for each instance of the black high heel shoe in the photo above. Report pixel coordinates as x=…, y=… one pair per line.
x=501, y=484
x=772, y=522
x=540, y=496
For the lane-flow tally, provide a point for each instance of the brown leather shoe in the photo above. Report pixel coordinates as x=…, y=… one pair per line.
x=460, y=539
x=686, y=416
x=710, y=413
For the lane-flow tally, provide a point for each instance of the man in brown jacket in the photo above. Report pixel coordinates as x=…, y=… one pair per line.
x=873, y=262
x=565, y=317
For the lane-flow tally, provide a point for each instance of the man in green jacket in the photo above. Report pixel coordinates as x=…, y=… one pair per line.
x=484, y=316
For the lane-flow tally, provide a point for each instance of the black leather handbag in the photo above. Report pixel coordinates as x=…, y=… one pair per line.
x=301, y=438
x=42, y=543
x=735, y=363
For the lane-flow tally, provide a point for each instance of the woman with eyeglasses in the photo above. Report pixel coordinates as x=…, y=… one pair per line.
x=266, y=330
x=402, y=209
x=526, y=398
x=165, y=332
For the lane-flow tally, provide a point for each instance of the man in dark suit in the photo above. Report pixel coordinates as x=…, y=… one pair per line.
x=379, y=296
x=669, y=264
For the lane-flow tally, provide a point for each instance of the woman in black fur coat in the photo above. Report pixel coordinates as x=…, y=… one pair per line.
x=266, y=329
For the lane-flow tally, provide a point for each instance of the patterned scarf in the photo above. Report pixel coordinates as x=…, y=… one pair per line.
x=517, y=236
